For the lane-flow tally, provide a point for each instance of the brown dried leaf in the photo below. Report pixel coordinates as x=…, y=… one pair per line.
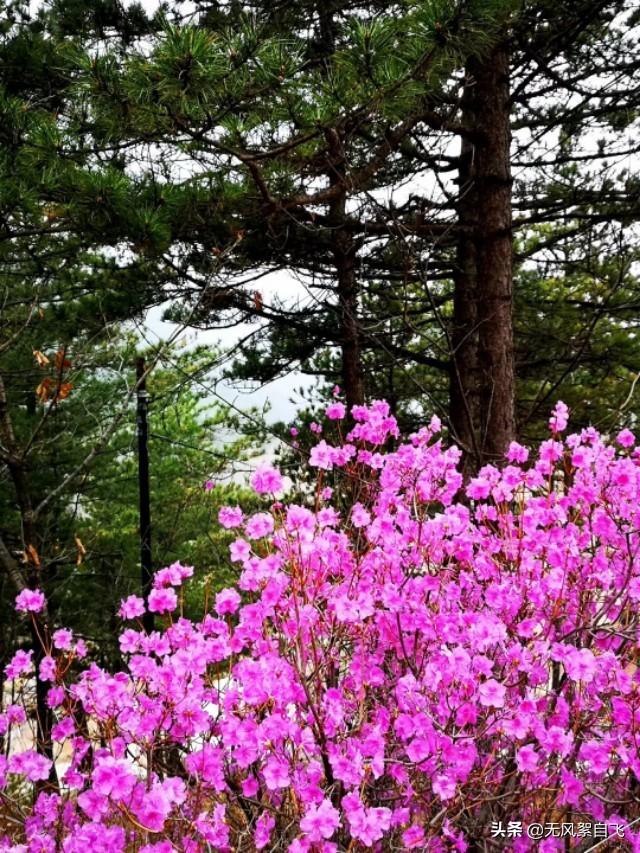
x=31, y=556
x=81, y=550
x=43, y=391
x=64, y=390
x=62, y=363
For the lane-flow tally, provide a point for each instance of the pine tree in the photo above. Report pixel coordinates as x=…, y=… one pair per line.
x=292, y=122
x=295, y=121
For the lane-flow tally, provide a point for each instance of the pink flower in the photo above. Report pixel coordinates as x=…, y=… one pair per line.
x=299, y=518
x=64, y=729
x=130, y=641
x=214, y=830
x=560, y=417
x=597, y=754
x=113, y=777
x=321, y=456
x=413, y=837
x=267, y=480
x=240, y=550
x=276, y=774
x=444, y=786
x=359, y=516
x=492, y=693
x=264, y=828
x=20, y=664
x=162, y=600
x=230, y=516
x=63, y=639
x=227, y=601
x=626, y=438
x=517, y=453
x=30, y=601
x=581, y=665
x=16, y=714
x=479, y=488
x=172, y=575
x=259, y=525
x=47, y=669
x=419, y=749
x=366, y=824
x=55, y=697
x=556, y=739
x=30, y=764
x=320, y=821
x=153, y=807
x=527, y=759
x=131, y=607
x=335, y=411
x=208, y=763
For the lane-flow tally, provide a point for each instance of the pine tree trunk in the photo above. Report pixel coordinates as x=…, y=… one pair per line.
x=464, y=384
x=352, y=373
x=344, y=252
x=483, y=379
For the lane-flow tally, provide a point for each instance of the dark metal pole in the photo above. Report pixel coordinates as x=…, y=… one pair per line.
x=143, y=490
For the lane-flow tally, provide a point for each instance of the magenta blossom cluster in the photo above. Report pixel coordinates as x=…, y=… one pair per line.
x=406, y=662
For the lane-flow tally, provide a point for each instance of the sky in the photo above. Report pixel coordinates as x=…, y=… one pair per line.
x=280, y=399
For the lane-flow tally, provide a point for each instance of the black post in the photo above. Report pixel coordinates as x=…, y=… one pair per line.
x=143, y=489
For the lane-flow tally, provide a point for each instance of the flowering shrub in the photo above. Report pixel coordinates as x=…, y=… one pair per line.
x=396, y=670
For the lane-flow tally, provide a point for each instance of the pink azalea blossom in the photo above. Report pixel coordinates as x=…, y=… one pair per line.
x=380, y=687
x=264, y=828
x=320, y=821
x=560, y=417
x=359, y=516
x=162, y=600
x=47, y=669
x=267, y=480
x=227, y=601
x=413, y=838
x=132, y=607
x=492, y=693
x=63, y=639
x=20, y=664
x=230, y=516
x=114, y=778
x=276, y=774
x=30, y=764
x=336, y=411
x=30, y=601
x=321, y=456
x=259, y=525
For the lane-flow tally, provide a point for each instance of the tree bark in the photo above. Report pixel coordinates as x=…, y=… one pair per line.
x=483, y=376
x=344, y=250
x=352, y=373
x=464, y=411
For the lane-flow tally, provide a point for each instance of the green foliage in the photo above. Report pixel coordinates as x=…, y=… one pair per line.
x=88, y=537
